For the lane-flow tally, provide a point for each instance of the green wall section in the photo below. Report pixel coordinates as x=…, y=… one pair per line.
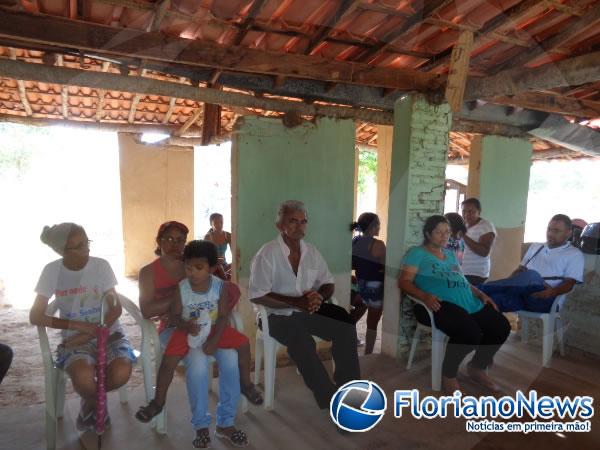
x=311, y=162
x=501, y=195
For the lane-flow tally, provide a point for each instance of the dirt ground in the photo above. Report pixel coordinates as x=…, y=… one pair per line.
x=24, y=382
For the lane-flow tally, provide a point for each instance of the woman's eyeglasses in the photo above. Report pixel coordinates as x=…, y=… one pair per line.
x=81, y=245
x=172, y=240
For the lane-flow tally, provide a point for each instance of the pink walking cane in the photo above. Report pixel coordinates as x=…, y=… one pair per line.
x=101, y=341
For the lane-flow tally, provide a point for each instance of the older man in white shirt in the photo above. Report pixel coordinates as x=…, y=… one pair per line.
x=291, y=279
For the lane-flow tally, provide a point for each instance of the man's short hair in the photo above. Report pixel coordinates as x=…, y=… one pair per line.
x=564, y=219
x=288, y=207
x=472, y=201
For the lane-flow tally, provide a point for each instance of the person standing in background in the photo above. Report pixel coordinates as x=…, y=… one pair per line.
x=479, y=240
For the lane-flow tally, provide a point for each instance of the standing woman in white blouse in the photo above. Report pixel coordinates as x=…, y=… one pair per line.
x=479, y=240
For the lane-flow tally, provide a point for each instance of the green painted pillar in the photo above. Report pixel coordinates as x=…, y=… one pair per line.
x=416, y=191
x=312, y=162
x=499, y=178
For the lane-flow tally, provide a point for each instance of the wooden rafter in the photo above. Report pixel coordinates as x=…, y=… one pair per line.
x=344, y=9
x=191, y=121
x=554, y=43
x=135, y=101
x=64, y=91
x=242, y=31
x=430, y=9
x=101, y=95
x=157, y=47
x=246, y=24
x=567, y=72
x=553, y=103
x=160, y=11
x=21, y=86
x=492, y=29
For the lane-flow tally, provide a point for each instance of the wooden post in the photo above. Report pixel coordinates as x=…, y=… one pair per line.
x=459, y=70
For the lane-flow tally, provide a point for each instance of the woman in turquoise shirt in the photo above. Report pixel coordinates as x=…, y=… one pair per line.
x=470, y=318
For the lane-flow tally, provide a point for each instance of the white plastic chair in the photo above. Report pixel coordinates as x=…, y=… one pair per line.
x=267, y=346
x=438, y=346
x=55, y=378
x=551, y=321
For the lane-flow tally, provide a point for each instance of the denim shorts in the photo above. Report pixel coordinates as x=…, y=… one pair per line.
x=119, y=348
x=371, y=292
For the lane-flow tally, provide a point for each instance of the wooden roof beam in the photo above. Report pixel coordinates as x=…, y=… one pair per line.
x=567, y=72
x=64, y=91
x=191, y=121
x=492, y=29
x=344, y=9
x=242, y=31
x=155, y=46
x=553, y=103
x=150, y=86
x=459, y=70
x=135, y=101
x=430, y=9
x=554, y=43
x=21, y=86
x=160, y=11
x=101, y=95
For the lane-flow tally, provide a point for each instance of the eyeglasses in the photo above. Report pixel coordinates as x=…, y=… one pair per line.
x=81, y=245
x=298, y=222
x=172, y=240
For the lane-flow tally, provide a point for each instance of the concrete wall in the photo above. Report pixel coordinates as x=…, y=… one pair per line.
x=311, y=162
x=582, y=310
x=157, y=185
x=416, y=191
x=499, y=177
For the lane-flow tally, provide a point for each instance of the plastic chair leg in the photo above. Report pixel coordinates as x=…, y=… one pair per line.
x=51, y=409
x=61, y=383
x=258, y=355
x=524, y=330
x=123, y=395
x=437, y=356
x=548, y=341
x=270, y=355
x=560, y=335
x=413, y=347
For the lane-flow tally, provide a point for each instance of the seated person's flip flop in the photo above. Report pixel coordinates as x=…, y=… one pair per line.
x=202, y=439
x=146, y=413
x=252, y=394
x=236, y=437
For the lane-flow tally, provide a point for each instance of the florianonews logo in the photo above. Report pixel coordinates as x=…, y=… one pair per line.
x=358, y=406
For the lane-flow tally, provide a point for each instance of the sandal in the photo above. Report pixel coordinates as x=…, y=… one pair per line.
x=202, y=439
x=146, y=413
x=252, y=394
x=238, y=438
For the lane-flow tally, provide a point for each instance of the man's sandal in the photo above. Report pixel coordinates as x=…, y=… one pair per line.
x=252, y=394
x=146, y=413
x=238, y=438
x=202, y=439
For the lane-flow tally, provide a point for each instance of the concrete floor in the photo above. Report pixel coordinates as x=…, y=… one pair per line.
x=296, y=423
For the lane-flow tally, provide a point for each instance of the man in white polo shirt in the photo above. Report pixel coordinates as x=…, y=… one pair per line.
x=291, y=279
x=546, y=271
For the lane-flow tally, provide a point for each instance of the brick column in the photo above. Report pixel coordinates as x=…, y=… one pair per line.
x=416, y=191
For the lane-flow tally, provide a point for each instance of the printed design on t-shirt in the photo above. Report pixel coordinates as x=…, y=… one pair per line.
x=80, y=303
x=450, y=273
